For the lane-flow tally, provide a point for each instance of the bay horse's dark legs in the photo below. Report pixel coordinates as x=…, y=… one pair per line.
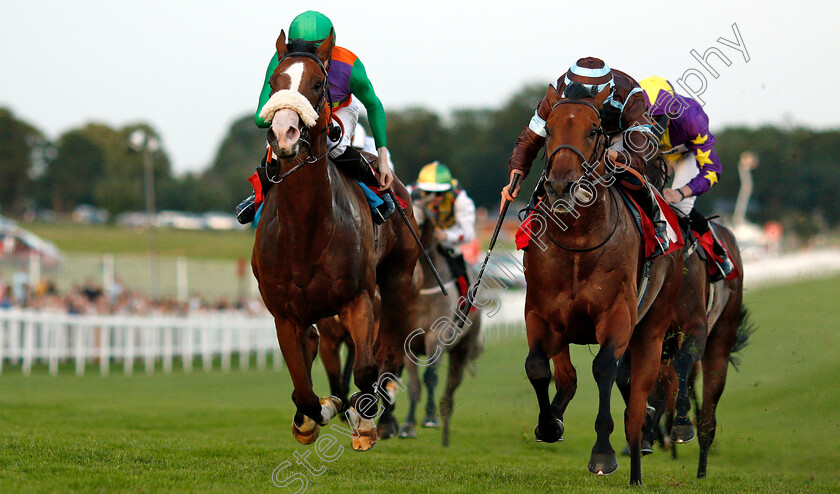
x=604, y=368
x=692, y=349
x=549, y=429
x=715, y=363
x=430, y=379
x=565, y=382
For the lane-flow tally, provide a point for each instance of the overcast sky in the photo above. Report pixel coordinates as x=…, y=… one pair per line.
x=190, y=67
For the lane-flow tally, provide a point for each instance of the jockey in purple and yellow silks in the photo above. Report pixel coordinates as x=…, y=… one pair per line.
x=348, y=85
x=688, y=148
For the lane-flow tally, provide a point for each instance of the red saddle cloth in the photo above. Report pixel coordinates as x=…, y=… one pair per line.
x=707, y=242
x=643, y=224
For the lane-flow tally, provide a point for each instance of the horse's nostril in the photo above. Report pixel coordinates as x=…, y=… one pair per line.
x=292, y=134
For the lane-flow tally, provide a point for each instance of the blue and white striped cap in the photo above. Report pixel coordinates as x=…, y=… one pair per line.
x=586, y=78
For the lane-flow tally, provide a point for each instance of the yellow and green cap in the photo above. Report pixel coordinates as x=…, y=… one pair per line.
x=434, y=177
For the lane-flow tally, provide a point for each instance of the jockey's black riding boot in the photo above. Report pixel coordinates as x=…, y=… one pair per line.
x=351, y=163
x=458, y=267
x=700, y=224
x=246, y=210
x=645, y=197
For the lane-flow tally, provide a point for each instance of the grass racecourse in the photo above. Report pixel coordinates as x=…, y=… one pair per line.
x=778, y=426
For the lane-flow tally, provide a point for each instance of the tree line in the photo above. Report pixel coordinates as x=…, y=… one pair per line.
x=795, y=182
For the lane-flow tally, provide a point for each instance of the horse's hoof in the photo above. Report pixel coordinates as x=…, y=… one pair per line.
x=305, y=437
x=603, y=463
x=364, y=440
x=647, y=447
x=408, y=432
x=682, y=434
x=431, y=422
x=552, y=435
x=387, y=430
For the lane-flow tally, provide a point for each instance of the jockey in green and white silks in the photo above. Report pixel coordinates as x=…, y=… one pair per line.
x=348, y=85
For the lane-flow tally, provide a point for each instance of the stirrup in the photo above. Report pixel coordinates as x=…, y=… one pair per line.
x=384, y=210
x=246, y=210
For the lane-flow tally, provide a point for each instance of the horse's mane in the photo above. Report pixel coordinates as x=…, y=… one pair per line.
x=301, y=46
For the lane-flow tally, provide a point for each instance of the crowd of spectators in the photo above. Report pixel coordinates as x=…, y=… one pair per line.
x=91, y=298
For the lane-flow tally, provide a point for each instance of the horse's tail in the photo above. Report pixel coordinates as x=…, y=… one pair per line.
x=742, y=335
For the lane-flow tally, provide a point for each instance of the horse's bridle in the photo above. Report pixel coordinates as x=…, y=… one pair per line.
x=588, y=167
x=600, y=146
x=324, y=97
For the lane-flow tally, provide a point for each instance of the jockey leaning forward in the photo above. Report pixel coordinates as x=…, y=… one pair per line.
x=347, y=81
x=453, y=213
x=688, y=148
x=624, y=117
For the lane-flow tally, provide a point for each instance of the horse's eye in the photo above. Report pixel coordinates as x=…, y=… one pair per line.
x=319, y=85
x=593, y=132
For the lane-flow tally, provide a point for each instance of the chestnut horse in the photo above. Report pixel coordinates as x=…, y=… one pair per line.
x=316, y=254
x=583, y=284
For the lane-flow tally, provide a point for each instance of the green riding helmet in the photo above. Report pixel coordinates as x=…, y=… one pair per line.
x=310, y=26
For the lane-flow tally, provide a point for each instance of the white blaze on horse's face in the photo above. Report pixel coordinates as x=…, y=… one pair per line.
x=286, y=122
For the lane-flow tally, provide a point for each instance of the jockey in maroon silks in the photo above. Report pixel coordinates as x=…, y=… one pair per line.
x=625, y=119
x=688, y=149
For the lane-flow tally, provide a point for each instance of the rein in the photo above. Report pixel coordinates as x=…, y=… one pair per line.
x=324, y=97
x=589, y=249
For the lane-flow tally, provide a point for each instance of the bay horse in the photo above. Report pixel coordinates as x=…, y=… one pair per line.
x=710, y=325
x=583, y=284
x=316, y=253
x=463, y=348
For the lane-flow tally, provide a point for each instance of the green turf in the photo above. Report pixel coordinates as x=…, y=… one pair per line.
x=94, y=239
x=779, y=426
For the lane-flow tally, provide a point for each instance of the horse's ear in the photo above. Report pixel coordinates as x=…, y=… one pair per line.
x=552, y=96
x=281, y=45
x=602, y=96
x=324, y=52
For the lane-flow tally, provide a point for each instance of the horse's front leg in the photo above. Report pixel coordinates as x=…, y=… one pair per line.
x=549, y=428
x=689, y=353
x=358, y=318
x=565, y=382
x=612, y=332
x=296, y=343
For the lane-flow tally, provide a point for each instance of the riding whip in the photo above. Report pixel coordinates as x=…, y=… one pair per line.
x=474, y=289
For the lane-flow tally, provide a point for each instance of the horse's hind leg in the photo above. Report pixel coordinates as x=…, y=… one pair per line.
x=296, y=344
x=430, y=379
x=715, y=363
x=414, y=389
x=330, y=348
x=549, y=428
x=458, y=360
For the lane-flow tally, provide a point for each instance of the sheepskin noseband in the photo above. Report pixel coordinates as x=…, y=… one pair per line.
x=286, y=98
